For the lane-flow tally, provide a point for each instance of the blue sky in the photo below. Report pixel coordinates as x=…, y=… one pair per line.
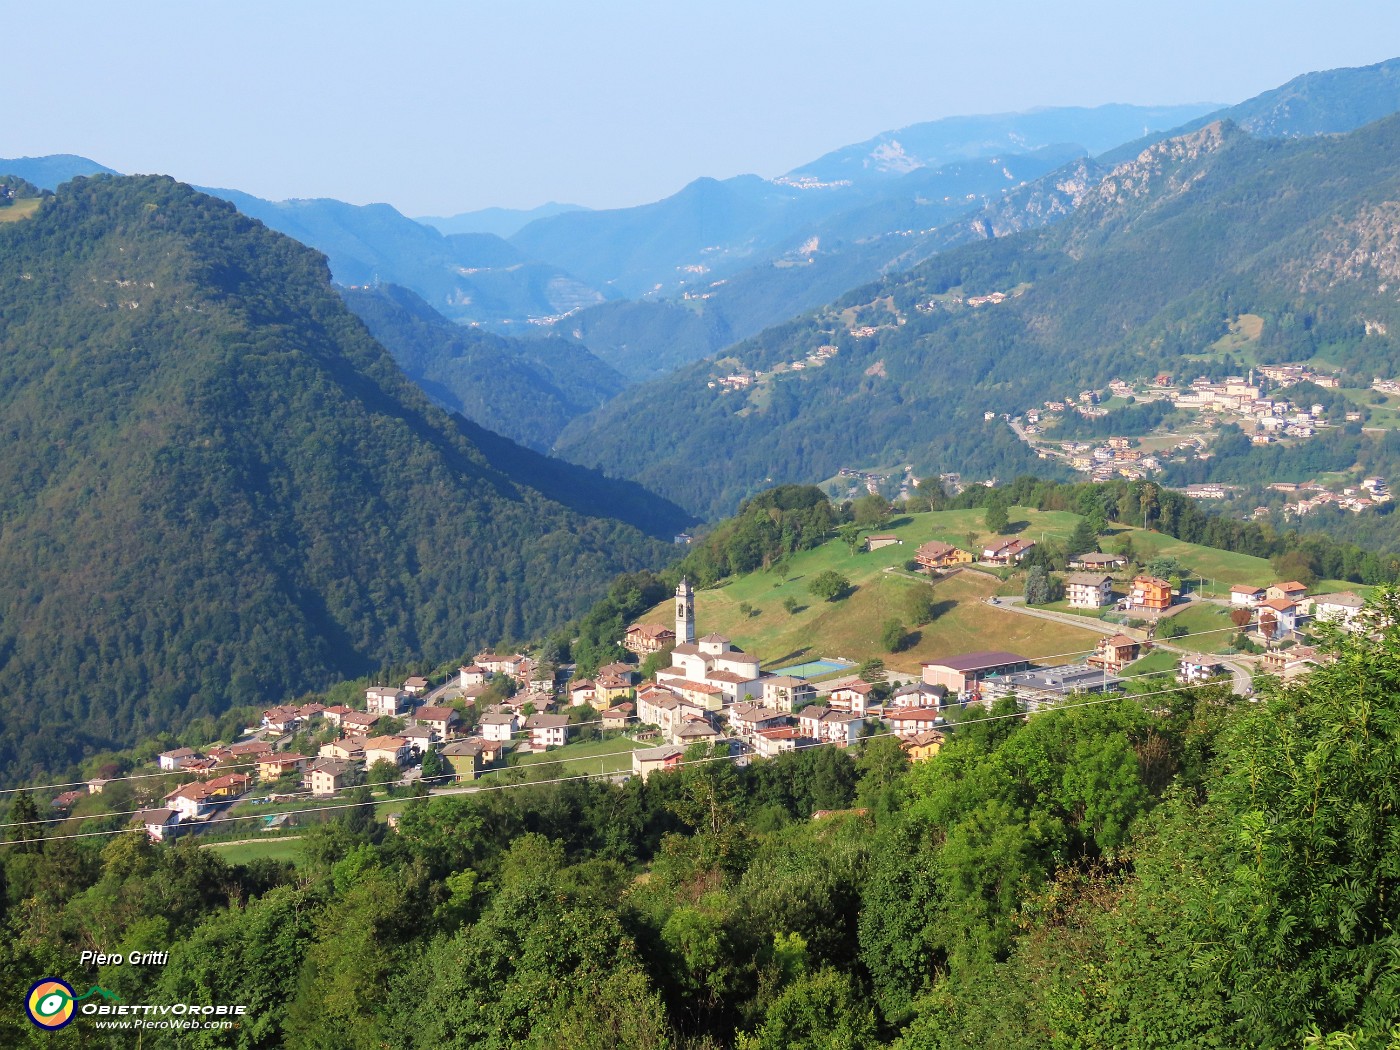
x=440, y=107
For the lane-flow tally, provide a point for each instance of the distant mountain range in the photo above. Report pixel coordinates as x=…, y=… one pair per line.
x=503, y=222
x=1145, y=269
x=48, y=173
x=935, y=143
x=218, y=489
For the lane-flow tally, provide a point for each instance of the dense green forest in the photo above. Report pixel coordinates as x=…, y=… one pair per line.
x=524, y=389
x=1182, y=869
x=1148, y=270
x=217, y=489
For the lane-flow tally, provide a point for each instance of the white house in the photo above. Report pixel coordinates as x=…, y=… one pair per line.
x=499, y=726
x=171, y=760
x=395, y=749
x=1088, y=590
x=785, y=693
x=548, y=730
x=384, y=700
x=854, y=697
x=1276, y=618
x=1245, y=596
x=1341, y=608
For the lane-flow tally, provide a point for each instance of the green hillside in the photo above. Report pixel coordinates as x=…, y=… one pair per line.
x=524, y=389
x=1149, y=269
x=216, y=488
x=750, y=609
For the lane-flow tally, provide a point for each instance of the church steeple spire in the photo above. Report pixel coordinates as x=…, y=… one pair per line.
x=685, y=613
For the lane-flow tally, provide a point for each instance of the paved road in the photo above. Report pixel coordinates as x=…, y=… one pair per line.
x=1241, y=680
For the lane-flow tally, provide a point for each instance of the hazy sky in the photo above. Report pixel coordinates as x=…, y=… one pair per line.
x=440, y=107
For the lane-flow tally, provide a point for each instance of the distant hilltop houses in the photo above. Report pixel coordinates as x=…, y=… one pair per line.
x=1240, y=400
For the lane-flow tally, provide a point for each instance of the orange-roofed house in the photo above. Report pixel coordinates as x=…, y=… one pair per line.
x=1151, y=593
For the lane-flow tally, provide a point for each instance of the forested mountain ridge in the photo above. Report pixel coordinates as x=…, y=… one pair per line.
x=474, y=277
x=1151, y=266
x=523, y=389
x=216, y=488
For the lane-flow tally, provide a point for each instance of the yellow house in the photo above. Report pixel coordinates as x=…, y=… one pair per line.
x=924, y=746
x=935, y=555
x=610, y=689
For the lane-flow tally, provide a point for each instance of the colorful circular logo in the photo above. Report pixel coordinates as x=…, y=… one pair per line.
x=50, y=1003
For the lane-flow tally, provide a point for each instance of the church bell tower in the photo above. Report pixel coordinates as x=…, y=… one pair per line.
x=685, y=613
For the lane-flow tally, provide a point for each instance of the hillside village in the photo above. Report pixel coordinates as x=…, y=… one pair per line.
x=1257, y=403
x=706, y=696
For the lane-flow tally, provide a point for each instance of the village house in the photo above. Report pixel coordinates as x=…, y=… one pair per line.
x=923, y=746
x=1193, y=669
x=230, y=785
x=491, y=664
x=329, y=775
x=548, y=730
x=499, y=725
x=350, y=749
x=918, y=694
x=334, y=715
x=777, y=740
x=883, y=539
x=647, y=638
x=911, y=721
x=420, y=738
x=747, y=719
x=611, y=688
x=470, y=675
x=359, y=723
x=668, y=712
x=707, y=695
x=1114, y=653
x=618, y=717
x=1341, y=608
x=441, y=720
x=649, y=760
x=281, y=719
x=382, y=700
x=962, y=674
x=697, y=731
x=829, y=726
x=172, y=760
x=853, y=696
x=936, y=555
x=1096, y=562
x=1291, y=662
x=393, y=749
x=785, y=693
x=1246, y=596
x=1007, y=552
x=1150, y=593
x=1087, y=590
x=415, y=686
x=464, y=758
x=191, y=801
x=1276, y=618
x=272, y=767
x=582, y=691
x=1292, y=591
x=311, y=711
x=160, y=824
x=65, y=801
